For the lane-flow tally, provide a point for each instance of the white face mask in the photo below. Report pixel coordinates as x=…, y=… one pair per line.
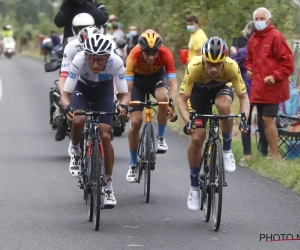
x=261, y=25
x=133, y=32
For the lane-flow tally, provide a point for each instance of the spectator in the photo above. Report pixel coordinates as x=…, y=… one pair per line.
x=116, y=31
x=70, y=8
x=41, y=38
x=240, y=57
x=132, y=38
x=198, y=37
x=269, y=63
x=55, y=42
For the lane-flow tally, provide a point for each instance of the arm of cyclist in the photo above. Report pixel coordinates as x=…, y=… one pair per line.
x=70, y=85
x=122, y=88
x=183, y=99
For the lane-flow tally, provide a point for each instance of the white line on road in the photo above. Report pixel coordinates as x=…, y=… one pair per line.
x=0, y=89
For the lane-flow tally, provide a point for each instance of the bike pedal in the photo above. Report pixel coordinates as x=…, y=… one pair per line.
x=225, y=184
x=109, y=206
x=161, y=151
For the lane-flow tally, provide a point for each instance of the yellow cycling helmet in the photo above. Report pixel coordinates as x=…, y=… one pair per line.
x=215, y=50
x=150, y=40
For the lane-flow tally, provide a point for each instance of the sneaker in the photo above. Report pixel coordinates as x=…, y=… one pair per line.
x=109, y=199
x=60, y=134
x=229, y=162
x=132, y=174
x=162, y=146
x=193, y=201
x=75, y=162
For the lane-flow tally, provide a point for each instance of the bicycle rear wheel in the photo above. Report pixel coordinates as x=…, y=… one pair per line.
x=204, y=184
x=148, y=162
x=217, y=183
x=96, y=183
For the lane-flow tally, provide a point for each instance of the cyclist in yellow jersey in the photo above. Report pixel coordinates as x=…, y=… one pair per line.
x=212, y=76
x=7, y=32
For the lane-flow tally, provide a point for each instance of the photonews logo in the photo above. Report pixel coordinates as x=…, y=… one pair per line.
x=278, y=237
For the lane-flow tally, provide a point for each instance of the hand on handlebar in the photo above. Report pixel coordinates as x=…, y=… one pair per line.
x=69, y=112
x=187, y=128
x=171, y=112
x=122, y=109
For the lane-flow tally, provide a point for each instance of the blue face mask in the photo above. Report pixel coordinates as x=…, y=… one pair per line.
x=133, y=32
x=128, y=35
x=190, y=28
x=260, y=25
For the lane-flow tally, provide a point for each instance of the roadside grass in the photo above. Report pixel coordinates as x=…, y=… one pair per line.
x=287, y=172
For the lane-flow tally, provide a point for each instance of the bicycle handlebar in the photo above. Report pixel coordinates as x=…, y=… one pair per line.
x=96, y=113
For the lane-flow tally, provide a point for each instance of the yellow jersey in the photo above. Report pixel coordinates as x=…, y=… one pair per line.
x=196, y=77
x=196, y=42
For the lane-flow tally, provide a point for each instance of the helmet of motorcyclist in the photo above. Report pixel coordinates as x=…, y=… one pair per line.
x=86, y=32
x=81, y=21
x=150, y=40
x=214, y=50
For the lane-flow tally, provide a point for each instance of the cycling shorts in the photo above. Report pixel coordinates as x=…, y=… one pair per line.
x=102, y=98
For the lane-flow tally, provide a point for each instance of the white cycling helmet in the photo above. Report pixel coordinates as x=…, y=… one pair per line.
x=80, y=21
x=86, y=32
x=98, y=44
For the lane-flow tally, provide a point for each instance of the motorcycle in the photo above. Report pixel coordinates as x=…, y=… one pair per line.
x=9, y=47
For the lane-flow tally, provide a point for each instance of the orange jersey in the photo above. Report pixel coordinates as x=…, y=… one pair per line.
x=136, y=64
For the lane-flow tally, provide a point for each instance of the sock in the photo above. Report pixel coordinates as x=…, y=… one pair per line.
x=133, y=157
x=194, y=174
x=75, y=148
x=161, y=131
x=227, y=138
x=109, y=182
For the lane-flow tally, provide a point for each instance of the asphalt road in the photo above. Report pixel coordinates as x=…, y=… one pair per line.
x=41, y=206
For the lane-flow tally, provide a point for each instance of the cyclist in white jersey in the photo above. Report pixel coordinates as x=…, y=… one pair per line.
x=91, y=78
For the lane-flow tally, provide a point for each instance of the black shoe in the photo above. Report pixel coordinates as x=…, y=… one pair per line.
x=60, y=134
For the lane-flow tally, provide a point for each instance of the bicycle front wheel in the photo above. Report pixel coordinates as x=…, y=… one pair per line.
x=217, y=172
x=148, y=163
x=96, y=183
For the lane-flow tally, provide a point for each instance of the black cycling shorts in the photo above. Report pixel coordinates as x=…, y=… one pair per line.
x=102, y=98
x=199, y=101
x=147, y=83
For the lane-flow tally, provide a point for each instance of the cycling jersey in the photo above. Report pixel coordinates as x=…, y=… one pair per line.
x=196, y=77
x=70, y=51
x=80, y=71
x=136, y=64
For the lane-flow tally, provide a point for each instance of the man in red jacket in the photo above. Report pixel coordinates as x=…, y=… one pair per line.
x=269, y=63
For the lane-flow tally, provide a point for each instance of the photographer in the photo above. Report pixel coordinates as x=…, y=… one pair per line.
x=70, y=8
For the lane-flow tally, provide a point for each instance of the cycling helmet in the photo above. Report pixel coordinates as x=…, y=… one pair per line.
x=80, y=21
x=150, y=40
x=8, y=27
x=98, y=44
x=86, y=32
x=214, y=50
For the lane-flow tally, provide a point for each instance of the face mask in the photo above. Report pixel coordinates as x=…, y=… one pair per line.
x=133, y=32
x=260, y=25
x=190, y=28
x=128, y=35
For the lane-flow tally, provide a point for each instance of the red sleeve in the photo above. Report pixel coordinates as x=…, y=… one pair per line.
x=249, y=54
x=284, y=57
x=168, y=62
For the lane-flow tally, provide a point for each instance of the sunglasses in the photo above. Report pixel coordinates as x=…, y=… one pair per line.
x=93, y=59
x=150, y=52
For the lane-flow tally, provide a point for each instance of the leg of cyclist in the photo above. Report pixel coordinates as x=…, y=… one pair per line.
x=198, y=101
x=136, y=119
x=79, y=101
x=104, y=101
x=161, y=95
x=223, y=103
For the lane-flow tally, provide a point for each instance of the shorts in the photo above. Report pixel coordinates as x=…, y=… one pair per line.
x=199, y=101
x=268, y=110
x=102, y=97
x=147, y=83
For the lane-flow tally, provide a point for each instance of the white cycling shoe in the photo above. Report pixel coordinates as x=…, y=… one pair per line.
x=75, y=162
x=132, y=174
x=193, y=201
x=109, y=199
x=229, y=162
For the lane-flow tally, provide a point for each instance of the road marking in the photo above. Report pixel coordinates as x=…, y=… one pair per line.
x=0, y=89
x=131, y=226
x=167, y=219
x=134, y=245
